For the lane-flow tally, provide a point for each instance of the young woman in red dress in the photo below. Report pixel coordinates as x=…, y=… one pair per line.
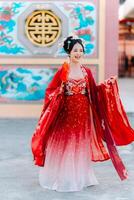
x=78, y=126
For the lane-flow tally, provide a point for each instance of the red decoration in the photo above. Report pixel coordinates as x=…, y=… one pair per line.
x=106, y=112
x=65, y=71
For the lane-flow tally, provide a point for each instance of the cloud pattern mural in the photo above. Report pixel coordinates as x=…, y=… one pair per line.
x=24, y=84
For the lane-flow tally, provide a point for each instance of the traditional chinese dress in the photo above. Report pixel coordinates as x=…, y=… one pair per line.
x=72, y=129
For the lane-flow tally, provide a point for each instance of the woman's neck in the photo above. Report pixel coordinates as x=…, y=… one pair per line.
x=75, y=70
x=74, y=65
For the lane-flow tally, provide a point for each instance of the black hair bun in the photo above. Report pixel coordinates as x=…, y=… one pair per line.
x=69, y=42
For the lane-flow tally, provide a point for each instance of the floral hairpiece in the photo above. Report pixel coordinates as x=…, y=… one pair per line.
x=59, y=46
x=83, y=41
x=75, y=37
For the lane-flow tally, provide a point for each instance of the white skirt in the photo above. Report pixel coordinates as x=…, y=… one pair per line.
x=68, y=171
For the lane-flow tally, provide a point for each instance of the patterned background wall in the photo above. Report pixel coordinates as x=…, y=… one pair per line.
x=28, y=83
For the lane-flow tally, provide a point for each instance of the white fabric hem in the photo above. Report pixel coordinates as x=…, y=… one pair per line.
x=70, y=190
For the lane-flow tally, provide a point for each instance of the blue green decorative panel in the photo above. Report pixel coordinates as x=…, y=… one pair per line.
x=82, y=21
x=24, y=84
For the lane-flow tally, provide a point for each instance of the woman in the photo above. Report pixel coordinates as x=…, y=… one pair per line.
x=77, y=117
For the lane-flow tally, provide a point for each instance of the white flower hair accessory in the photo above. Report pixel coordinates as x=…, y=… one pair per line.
x=83, y=41
x=76, y=37
x=61, y=43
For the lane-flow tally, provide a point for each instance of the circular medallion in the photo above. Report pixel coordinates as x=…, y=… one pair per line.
x=43, y=27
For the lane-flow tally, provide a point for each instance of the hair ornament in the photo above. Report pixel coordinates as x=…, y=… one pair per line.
x=75, y=37
x=60, y=44
x=68, y=44
x=83, y=42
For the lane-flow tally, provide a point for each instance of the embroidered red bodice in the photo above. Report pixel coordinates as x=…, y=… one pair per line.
x=74, y=86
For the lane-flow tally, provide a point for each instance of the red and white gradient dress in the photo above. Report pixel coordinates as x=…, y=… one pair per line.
x=74, y=123
x=68, y=165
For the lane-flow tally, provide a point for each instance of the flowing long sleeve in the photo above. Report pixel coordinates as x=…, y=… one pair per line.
x=99, y=101
x=53, y=102
x=116, y=116
x=53, y=85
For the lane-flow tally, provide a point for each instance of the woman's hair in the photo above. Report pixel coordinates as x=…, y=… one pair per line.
x=69, y=42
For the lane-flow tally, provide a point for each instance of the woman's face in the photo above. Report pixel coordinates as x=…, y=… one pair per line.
x=76, y=53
